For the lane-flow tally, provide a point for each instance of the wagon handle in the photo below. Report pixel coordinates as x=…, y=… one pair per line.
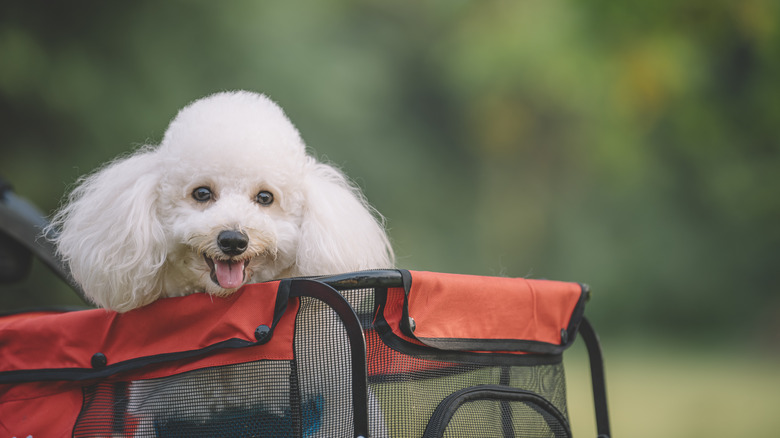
x=24, y=223
x=597, y=377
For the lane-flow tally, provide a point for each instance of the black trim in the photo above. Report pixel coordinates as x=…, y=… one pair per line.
x=426, y=374
x=598, y=378
x=506, y=407
x=577, y=315
x=443, y=414
x=376, y=278
x=78, y=374
x=406, y=324
x=368, y=279
x=468, y=344
x=280, y=306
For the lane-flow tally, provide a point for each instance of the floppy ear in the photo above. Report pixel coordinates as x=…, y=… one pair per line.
x=340, y=232
x=110, y=235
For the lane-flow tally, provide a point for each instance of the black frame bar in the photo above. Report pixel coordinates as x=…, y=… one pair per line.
x=357, y=343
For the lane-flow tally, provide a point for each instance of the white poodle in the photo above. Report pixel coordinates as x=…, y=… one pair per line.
x=229, y=197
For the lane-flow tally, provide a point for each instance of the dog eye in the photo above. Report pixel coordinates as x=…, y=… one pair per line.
x=264, y=198
x=202, y=194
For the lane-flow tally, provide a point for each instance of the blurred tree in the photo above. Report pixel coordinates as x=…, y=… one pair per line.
x=628, y=145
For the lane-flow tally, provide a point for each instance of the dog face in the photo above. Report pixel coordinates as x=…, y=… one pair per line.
x=234, y=202
x=228, y=197
x=227, y=230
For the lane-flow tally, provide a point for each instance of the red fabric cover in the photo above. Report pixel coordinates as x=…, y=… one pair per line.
x=384, y=361
x=444, y=306
x=68, y=340
x=453, y=306
x=39, y=409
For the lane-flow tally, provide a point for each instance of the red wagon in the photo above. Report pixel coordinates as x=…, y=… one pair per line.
x=389, y=353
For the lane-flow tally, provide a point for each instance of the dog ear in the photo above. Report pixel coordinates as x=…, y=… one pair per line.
x=340, y=232
x=110, y=235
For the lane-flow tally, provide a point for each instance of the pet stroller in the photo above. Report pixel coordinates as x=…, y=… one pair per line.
x=386, y=353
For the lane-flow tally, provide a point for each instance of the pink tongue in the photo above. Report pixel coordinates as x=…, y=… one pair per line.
x=230, y=275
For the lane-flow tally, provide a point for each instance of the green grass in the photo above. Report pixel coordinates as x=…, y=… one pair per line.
x=655, y=391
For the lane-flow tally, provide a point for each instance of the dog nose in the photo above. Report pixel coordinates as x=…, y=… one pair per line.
x=232, y=243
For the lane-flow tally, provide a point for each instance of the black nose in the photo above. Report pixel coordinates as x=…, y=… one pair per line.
x=232, y=243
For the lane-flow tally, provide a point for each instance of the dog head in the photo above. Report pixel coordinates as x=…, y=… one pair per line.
x=230, y=196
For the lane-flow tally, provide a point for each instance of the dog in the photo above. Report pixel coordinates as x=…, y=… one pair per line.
x=229, y=196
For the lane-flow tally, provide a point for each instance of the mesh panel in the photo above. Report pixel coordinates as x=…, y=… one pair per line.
x=312, y=395
x=324, y=366
x=499, y=419
x=244, y=400
x=409, y=389
x=413, y=396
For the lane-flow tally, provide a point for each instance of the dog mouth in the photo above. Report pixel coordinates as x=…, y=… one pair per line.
x=227, y=274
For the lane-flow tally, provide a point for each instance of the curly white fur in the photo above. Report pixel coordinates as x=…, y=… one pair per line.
x=134, y=231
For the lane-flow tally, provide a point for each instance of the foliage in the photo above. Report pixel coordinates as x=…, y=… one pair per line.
x=628, y=145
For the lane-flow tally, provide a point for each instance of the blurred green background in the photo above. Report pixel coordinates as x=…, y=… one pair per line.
x=633, y=146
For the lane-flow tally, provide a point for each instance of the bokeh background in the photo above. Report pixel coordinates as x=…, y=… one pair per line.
x=631, y=145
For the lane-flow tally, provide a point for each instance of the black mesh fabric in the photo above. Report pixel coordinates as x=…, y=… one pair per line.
x=312, y=395
x=410, y=390
x=324, y=367
x=493, y=418
x=244, y=400
x=412, y=397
